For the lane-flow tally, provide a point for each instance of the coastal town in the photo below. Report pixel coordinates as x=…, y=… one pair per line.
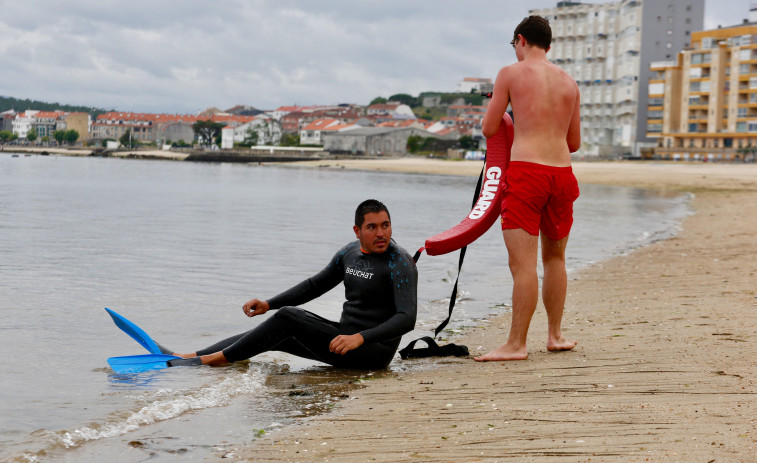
x=653, y=86
x=384, y=127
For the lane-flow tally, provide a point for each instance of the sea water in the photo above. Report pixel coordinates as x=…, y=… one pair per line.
x=178, y=248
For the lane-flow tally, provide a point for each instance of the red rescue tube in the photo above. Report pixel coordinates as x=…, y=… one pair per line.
x=488, y=206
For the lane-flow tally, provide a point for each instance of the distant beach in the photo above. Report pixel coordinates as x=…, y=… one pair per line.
x=664, y=369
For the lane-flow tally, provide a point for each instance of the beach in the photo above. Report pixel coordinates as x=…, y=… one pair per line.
x=664, y=369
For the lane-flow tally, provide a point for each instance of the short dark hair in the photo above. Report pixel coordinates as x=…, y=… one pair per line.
x=536, y=30
x=369, y=206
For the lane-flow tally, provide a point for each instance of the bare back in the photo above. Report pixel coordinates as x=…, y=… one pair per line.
x=545, y=102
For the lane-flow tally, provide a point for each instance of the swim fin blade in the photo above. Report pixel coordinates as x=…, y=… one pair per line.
x=135, y=332
x=140, y=363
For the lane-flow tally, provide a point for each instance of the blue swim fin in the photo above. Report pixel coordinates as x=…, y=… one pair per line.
x=140, y=363
x=135, y=332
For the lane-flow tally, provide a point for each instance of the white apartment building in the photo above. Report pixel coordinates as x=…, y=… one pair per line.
x=22, y=124
x=608, y=48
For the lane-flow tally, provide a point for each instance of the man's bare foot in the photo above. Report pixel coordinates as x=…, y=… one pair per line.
x=184, y=356
x=556, y=345
x=503, y=353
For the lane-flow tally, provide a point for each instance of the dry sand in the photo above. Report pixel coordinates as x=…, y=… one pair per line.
x=664, y=369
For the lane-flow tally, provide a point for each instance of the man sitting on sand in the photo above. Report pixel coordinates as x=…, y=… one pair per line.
x=380, y=281
x=539, y=184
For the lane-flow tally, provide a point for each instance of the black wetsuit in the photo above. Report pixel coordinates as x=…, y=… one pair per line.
x=381, y=305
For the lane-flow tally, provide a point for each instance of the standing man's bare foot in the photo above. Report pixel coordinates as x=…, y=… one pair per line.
x=503, y=353
x=556, y=345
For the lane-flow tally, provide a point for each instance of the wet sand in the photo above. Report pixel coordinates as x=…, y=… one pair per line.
x=664, y=369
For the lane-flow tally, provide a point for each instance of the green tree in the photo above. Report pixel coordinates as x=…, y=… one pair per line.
x=59, y=136
x=125, y=139
x=467, y=142
x=71, y=136
x=415, y=143
x=31, y=135
x=207, y=131
x=6, y=136
x=404, y=98
x=250, y=137
x=378, y=100
x=290, y=139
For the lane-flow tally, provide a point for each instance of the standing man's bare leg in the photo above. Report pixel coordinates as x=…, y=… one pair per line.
x=522, y=250
x=554, y=289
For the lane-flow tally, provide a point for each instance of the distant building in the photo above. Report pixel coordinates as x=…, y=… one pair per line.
x=608, y=48
x=148, y=128
x=391, y=109
x=23, y=123
x=312, y=134
x=80, y=122
x=475, y=85
x=243, y=110
x=373, y=141
x=703, y=105
x=6, y=120
x=266, y=130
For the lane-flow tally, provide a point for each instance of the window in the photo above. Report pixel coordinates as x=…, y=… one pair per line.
x=752, y=126
x=741, y=126
x=741, y=112
x=744, y=68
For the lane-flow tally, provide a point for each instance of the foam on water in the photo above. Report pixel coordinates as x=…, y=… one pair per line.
x=164, y=404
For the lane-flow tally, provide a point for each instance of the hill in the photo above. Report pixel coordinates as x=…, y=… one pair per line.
x=7, y=103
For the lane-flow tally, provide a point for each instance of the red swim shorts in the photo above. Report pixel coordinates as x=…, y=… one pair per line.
x=539, y=197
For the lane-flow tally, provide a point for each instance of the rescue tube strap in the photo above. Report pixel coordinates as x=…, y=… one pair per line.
x=435, y=350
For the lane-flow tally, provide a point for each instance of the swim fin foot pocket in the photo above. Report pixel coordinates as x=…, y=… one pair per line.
x=190, y=362
x=164, y=349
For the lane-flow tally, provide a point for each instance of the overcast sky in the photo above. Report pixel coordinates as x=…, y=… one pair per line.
x=186, y=55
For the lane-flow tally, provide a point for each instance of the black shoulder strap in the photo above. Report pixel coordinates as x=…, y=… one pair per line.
x=409, y=351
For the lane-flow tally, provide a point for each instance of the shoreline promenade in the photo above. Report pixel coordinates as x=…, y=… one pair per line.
x=665, y=367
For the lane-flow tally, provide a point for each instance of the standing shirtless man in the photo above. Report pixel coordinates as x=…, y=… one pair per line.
x=539, y=184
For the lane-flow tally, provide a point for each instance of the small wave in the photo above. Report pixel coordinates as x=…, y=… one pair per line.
x=168, y=404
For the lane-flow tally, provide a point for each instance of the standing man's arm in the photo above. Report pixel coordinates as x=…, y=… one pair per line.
x=574, y=129
x=498, y=104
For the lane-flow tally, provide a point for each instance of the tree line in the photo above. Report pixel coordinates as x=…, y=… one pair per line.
x=8, y=103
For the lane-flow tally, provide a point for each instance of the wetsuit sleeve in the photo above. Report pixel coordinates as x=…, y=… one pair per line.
x=313, y=287
x=404, y=289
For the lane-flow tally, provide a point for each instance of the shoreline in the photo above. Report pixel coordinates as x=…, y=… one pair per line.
x=664, y=369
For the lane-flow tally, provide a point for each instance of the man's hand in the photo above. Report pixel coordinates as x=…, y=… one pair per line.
x=345, y=343
x=255, y=307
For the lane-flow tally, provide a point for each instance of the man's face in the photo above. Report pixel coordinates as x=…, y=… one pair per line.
x=375, y=233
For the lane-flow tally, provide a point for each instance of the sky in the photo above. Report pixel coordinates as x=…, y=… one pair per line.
x=183, y=56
